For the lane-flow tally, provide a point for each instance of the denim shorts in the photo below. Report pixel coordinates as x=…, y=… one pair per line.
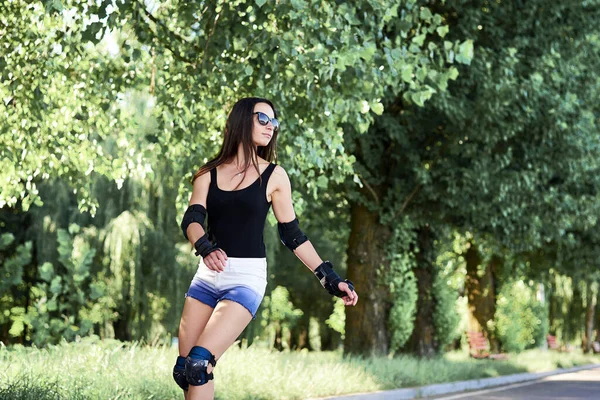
x=244, y=281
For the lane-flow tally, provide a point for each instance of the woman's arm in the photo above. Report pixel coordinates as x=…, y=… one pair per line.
x=216, y=259
x=281, y=199
x=199, y=193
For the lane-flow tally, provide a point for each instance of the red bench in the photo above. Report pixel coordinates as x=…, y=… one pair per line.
x=552, y=343
x=480, y=348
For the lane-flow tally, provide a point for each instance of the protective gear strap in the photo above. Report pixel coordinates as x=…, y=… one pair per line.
x=196, y=365
x=290, y=234
x=204, y=247
x=194, y=213
x=179, y=373
x=330, y=280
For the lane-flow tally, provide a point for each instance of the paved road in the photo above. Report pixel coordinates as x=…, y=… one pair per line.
x=574, y=386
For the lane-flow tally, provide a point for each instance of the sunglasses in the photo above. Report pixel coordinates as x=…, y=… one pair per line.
x=264, y=119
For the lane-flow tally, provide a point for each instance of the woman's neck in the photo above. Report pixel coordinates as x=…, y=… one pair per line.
x=239, y=160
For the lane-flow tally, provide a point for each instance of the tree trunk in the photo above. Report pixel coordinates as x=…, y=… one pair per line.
x=299, y=333
x=598, y=316
x=121, y=328
x=366, y=323
x=588, y=338
x=278, y=344
x=480, y=287
x=422, y=340
x=325, y=334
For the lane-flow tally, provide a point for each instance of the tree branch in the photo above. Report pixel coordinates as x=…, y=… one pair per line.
x=171, y=34
x=212, y=31
x=409, y=198
x=371, y=190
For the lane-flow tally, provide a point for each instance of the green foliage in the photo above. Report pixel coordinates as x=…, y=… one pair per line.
x=61, y=99
x=445, y=316
x=278, y=315
x=68, y=300
x=12, y=267
x=337, y=319
x=12, y=283
x=139, y=96
x=567, y=302
x=521, y=319
x=322, y=66
x=402, y=283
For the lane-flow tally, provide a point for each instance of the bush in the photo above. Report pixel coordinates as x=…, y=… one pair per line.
x=445, y=317
x=521, y=320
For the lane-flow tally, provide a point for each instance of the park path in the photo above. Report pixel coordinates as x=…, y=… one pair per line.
x=564, y=384
x=573, y=386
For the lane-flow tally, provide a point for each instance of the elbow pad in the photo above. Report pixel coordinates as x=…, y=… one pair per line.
x=194, y=213
x=290, y=234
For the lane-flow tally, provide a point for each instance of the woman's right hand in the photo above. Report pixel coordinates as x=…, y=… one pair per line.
x=215, y=260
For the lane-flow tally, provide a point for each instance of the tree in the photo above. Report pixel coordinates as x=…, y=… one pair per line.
x=505, y=153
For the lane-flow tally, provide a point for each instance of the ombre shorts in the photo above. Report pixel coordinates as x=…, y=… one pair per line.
x=244, y=281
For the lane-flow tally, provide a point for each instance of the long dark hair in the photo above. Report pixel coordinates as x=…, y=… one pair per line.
x=238, y=129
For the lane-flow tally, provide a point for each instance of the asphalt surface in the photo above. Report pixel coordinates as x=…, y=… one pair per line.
x=572, y=386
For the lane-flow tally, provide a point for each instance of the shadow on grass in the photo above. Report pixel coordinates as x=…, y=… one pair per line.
x=25, y=388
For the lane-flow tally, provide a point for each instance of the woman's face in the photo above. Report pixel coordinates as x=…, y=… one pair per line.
x=262, y=134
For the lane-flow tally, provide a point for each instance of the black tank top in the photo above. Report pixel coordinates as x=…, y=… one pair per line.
x=236, y=219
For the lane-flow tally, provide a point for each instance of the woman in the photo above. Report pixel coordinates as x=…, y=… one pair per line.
x=236, y=190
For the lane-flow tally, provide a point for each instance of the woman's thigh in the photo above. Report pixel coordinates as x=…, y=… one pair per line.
x=224, y=326
x=226, y=323
x=194, y=318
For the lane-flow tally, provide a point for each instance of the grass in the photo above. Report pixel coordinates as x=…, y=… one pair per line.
x=92, y=369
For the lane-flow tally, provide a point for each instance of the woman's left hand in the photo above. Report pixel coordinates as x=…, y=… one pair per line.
x=351, y=297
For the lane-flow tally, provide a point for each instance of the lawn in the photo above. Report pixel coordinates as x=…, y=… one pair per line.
x=92, y=369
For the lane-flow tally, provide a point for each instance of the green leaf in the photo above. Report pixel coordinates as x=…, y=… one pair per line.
x=442, y=30
x=377, y=108
x=52, y=305
x=322, y=182
x=453, y=73
x=46, y=271
x=56, y=285
x=419, y=40
x=465, y=52
x=426, y=14
x=407, y=72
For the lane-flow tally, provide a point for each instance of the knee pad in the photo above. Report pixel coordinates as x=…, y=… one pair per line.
x=179, y=373
x=196, y=365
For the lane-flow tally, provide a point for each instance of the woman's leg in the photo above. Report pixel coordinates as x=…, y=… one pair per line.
x=193, y=321
x=224, y=326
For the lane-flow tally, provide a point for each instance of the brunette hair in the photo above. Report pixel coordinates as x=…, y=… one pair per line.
x=238, y=129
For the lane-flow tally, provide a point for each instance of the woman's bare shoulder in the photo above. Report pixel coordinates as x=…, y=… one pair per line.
x=203, y=180
x=281, y=178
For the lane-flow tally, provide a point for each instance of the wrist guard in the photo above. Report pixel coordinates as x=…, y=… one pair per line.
x=330, y=280
x=204, y=247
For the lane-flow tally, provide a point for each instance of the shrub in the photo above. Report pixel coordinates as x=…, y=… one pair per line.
x=521, y=320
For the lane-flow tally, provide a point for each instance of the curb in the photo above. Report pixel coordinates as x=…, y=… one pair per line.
x=455, y=387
